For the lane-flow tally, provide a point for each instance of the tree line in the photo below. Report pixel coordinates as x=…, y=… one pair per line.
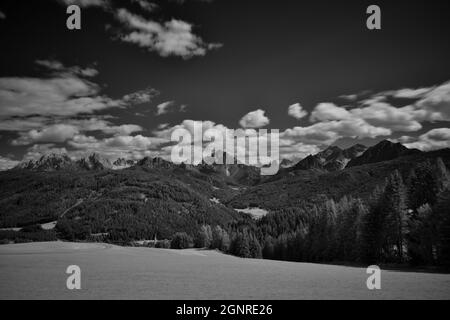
x=405, y=220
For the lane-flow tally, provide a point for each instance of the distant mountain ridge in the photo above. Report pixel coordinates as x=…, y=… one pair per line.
x=332, y=158
x=57, y=162
x=383, y=151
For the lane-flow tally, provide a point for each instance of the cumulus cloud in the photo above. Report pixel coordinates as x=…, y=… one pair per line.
x=292, y=150
x=7, y=163
x=408, y=93
x=329, y=111
x=56, y=133
x=434, y=139
x=126, y=146
x=171, y=38
x=384, y=115
x=254, y=119
x=58, y=130
x=378, y=114
x=328, y=132
x=297, y=111
x=435, y=104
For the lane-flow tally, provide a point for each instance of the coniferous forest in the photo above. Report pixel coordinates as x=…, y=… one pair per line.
x=403, y=219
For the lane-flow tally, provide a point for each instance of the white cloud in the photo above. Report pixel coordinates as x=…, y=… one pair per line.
x=163, y=108
x=254, y=119
x=382, y=114
x=434, y=139
x=146, y=5
x=296, y=150
x=65, y=93
x=141, y=96
x=60, y=69
x=378, y=114
x=408, y=93
x=436, y=103
x=329, y=111
x=55, y=96
x=7, y=163
x=38, y=150
x=56, y=133
x=172, y=38
x=328, y=132
x=125, y=146
x=297, y=111
x=2, y=15
x=59, y=130
x=85, y=3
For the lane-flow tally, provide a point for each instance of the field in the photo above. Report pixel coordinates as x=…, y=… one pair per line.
x=37, y=271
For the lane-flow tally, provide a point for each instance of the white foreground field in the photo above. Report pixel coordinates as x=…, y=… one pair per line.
x=37, y=271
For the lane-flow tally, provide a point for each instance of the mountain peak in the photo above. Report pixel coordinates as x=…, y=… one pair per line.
x=382, y=151
x=94, y=162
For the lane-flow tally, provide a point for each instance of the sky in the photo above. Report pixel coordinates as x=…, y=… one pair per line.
x=137, y=70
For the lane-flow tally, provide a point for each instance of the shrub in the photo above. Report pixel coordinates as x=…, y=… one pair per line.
x=163, y=244
x=181, y=241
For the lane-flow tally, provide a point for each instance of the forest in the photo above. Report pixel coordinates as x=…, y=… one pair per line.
x=403, y=219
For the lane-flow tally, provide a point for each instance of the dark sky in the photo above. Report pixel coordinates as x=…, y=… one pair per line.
x=273, y=54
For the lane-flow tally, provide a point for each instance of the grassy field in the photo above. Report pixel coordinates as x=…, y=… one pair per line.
x=37, y=271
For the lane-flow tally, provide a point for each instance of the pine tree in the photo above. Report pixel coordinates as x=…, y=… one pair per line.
x=442, y=211
x=371, y=229
x=394, y=203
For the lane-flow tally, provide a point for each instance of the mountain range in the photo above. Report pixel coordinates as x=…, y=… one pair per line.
x=153, y=195
x=330, y=159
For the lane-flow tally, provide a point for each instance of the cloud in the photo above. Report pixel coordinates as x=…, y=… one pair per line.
x=38, y=150
x=60, y=69
x=172, y=38
x=254, y=119
x=56, y=133
x=163, y=108
x=408, y=93
x=7, y=163
x=297, y=111
x=326, y=111
x=141, y=96
x=434, y=139
x=2, y=15
x=146, y=5
x=384, y=115
x=129, y=147
x=62, y=129
x=85, y=3
x=296, y=150
x=378, y=114
x=436, y=103
x=65, y=93
x=326, y=133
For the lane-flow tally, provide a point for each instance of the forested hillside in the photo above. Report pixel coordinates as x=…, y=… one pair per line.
x=394, y=211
